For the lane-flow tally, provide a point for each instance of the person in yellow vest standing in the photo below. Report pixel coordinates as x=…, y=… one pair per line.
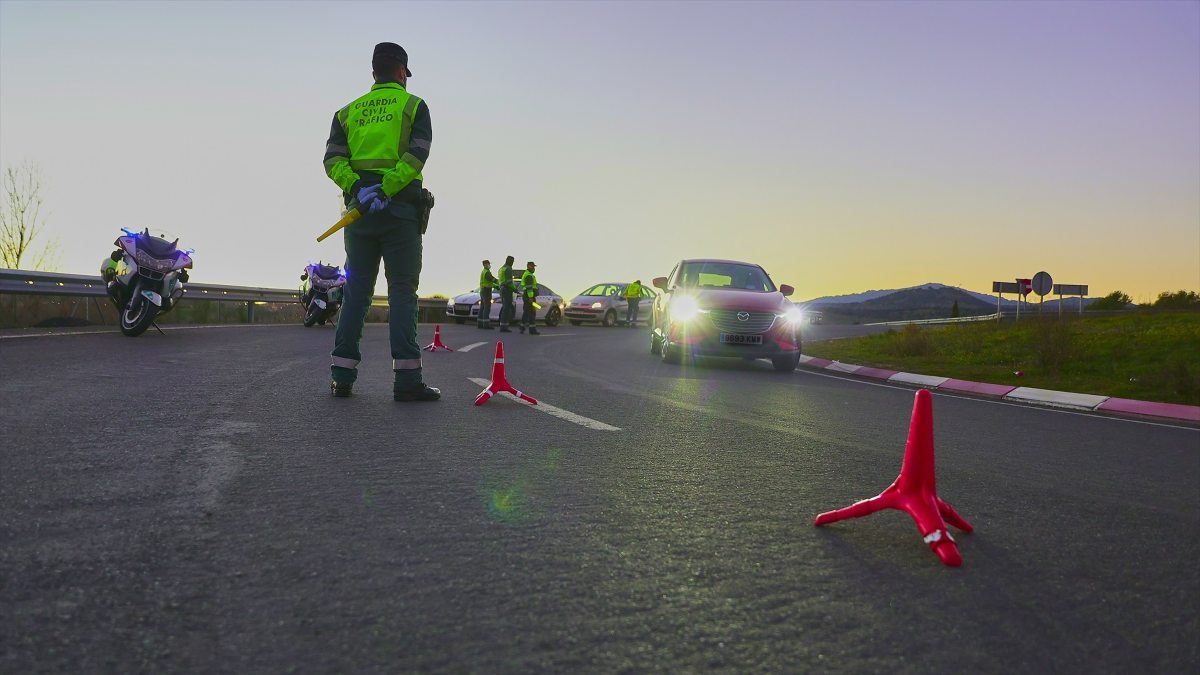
x=487, y=281
x=376, y=150
x=529, y=291
x=633, y=297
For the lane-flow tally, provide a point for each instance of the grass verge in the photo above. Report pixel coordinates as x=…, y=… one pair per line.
x=1147, y=356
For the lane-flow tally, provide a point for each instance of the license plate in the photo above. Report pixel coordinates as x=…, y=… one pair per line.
x=320, y=302
x=736, y=339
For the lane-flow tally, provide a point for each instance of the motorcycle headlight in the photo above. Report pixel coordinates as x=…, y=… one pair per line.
x=684, y=309
x=793, y=316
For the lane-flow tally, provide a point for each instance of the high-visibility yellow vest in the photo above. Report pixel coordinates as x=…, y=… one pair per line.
x=378, y=127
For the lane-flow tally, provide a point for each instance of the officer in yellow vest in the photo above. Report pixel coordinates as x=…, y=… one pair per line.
x=529, y=291
x=507, y=288
x=376, y=150
x=487, y=281
x=633, y=297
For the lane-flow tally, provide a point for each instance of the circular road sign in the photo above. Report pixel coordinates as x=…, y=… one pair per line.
x=1042, y=283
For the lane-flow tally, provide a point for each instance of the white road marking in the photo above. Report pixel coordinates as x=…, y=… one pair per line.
x=556, y=412
x=471, y=346
x=1060, y=411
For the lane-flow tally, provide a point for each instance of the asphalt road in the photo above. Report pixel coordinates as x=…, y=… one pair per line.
x=197, y=502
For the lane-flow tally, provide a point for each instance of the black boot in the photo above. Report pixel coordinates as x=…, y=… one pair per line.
x=505, y=329
x=421, y=392
x=341, y=389
x=534, y=331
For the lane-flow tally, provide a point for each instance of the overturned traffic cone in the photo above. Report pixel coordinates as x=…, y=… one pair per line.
x=499, y=382
x=915, y=490
x=437, y=340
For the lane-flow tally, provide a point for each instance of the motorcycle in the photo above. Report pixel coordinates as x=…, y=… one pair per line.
x=321, y=293
x=144, y=278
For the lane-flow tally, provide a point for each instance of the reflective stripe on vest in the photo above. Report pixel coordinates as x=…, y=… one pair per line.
x=378, y=128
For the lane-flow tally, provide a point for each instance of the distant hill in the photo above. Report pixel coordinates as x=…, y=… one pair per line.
x=927, y=301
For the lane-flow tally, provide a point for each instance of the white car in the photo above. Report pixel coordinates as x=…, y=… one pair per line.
x=465, y=307
x=606, y=304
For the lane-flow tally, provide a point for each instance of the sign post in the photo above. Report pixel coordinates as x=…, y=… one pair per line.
x=1002, y=287
x=1071, y=289
x=1042, y=283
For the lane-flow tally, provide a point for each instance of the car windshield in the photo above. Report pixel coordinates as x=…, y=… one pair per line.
x=602, y=290
x=725, y=275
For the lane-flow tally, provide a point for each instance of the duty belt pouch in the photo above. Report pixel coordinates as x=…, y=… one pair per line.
x=424, y=206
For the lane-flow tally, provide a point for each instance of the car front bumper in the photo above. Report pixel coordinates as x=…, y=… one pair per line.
x=779, y=340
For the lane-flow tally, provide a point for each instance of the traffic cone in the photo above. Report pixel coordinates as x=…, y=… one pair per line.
x=437, y=340
x=499, y=382
x=915, y=490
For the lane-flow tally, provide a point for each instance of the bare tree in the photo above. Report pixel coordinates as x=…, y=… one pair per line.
x=21, y=220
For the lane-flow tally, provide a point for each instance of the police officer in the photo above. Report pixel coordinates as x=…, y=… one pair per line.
x=376, y=150
x=529, y=289
x=507, y=310
x=486, y=283
x=633, y=297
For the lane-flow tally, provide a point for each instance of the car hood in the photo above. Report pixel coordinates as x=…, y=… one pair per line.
x=468, y=298
x=589, y=299
x=751, y=301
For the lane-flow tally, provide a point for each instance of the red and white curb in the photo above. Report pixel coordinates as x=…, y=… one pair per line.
x=1047, y=397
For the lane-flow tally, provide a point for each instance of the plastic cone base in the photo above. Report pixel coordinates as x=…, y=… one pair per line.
x=500, y=383
x=915, y=490
x=437, y=340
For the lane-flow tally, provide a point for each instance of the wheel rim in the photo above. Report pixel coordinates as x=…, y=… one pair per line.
x=131, y=320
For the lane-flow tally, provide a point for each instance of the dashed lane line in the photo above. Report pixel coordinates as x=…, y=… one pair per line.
x=471, y=346
x=554, y=411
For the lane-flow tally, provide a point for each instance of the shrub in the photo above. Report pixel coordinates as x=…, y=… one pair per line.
x=1114, y=300
x=912, y=341
x=1053, y=343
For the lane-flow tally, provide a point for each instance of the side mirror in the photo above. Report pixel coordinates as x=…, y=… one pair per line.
x=786, y=290
x=303, y=276
x=660, y=282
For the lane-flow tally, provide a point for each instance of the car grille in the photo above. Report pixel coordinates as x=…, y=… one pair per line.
x=462, y=309
x=726, y=321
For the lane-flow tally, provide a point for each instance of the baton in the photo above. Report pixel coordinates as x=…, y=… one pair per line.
x=352, y=214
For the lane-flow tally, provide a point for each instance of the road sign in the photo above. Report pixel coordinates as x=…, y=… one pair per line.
x=1042, y=283
x=1070, y=289
x=1026, y=285
x=1005, y=287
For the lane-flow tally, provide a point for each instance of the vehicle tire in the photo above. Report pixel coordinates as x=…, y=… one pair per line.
x=786, y=364
x=137, y=318
x=672, y=354
x=655, y=345
x=553, y=316
x=459, y=320
x=610, y=319
x=575, y=323
x=310, y=318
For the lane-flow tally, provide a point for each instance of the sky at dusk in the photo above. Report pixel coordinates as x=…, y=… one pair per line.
x=843, y=146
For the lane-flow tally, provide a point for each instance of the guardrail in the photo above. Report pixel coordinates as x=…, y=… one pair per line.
x=957, y=319
x=26, y=282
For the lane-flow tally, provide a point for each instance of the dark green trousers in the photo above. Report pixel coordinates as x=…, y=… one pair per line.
x=393, y=236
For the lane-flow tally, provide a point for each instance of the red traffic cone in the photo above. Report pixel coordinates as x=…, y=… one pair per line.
x=499, y=382
x=915, y=490
x=437, y=340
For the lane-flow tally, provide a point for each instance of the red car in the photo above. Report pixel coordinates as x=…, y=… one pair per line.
x=724, y=308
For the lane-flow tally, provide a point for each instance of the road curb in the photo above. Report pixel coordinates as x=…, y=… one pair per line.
x=1045, y=397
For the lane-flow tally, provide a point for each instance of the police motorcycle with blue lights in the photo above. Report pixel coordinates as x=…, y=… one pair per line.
x=144, y=278
x=321, y=293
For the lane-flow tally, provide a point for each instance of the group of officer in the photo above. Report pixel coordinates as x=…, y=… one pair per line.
x=507, y=287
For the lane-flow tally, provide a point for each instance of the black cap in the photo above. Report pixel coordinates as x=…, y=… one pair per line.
x=390, y=51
